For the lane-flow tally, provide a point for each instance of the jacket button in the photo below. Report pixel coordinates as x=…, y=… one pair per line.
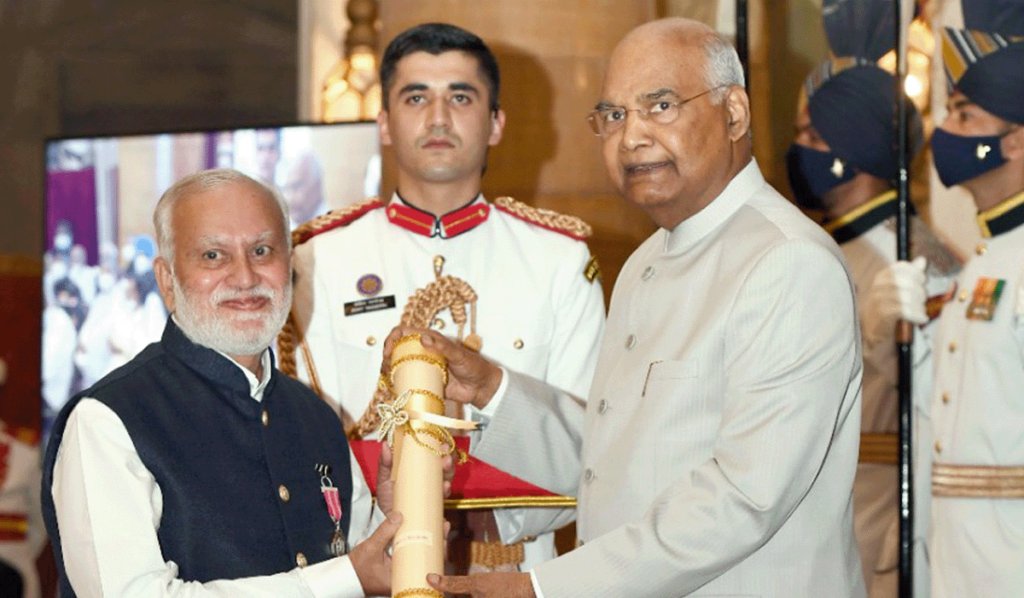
x=371, y=341
x=282, y=492
x=631, y=341
x=647, y=273
x=265, y=418
x=602, y=406
x=945, y=397
x=300, y=559
x=518, y=344
x=952, y=346
x=938, y=446
x=588, y=475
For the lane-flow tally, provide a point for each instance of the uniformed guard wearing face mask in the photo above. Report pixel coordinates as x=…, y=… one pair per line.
x=843, y=163
x=977, y=540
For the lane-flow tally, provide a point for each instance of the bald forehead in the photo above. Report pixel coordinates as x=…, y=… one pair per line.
x=684, y=30
x=667, y=50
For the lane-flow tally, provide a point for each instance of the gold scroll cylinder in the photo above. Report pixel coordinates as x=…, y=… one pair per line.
x=418, y=547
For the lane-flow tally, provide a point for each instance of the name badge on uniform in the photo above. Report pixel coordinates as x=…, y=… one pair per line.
x=364, y=306
x=986, y=297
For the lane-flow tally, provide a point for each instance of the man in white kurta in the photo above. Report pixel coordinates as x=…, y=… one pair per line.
x=716, y=452
x=720, y=439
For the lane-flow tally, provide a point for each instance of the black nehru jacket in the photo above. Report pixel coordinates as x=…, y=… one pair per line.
x=222, y=466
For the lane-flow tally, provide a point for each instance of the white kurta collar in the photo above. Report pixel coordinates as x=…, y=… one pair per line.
x=691, y=231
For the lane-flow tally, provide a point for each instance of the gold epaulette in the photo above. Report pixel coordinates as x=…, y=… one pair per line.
x=288, y=339
x=333, y=219
x=570, y=226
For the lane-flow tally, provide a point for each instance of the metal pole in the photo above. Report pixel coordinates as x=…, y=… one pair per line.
x=904, y=331
x=742, y=37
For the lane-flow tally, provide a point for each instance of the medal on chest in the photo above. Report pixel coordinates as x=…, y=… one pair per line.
x=339, y=544
x=986, y=296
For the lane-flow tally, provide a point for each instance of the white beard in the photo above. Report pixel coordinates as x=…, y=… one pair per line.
x=203, y=327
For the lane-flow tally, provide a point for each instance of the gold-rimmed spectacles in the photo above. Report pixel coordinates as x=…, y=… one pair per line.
x=608, y=120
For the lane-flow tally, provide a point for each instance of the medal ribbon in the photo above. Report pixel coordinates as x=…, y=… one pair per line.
x=338, y=545
x=333, y=503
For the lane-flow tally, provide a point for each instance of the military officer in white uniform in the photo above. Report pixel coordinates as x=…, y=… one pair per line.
x=22, y=535
x=718, y=447
x=843, y=164
x=540, y=308
x=977, y=538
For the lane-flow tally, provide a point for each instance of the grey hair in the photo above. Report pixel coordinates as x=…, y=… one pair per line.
x=197, y=183
x=722, y=68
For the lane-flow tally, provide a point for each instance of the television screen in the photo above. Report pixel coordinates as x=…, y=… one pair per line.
x=101, y=304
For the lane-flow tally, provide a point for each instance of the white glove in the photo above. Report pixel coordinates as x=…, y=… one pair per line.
x=897, y=293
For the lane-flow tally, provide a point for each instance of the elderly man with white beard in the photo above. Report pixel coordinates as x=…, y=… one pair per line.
x=198, y=468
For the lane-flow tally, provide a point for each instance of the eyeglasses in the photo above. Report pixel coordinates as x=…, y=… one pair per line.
x=608, y=121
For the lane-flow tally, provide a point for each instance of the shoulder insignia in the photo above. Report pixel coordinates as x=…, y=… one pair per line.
x=592, y=270
x=570, y=226
x=333, y=219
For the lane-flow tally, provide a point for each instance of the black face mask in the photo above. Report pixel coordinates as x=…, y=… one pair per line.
x=813, y=173
x=959, y=158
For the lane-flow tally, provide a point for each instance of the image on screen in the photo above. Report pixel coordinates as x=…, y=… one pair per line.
x=101, y=304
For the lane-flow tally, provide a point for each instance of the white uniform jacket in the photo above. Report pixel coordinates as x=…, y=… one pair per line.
x=719, y=443
x=978, y=414
x=867, y=237
x=22, y=534
x=538, y=312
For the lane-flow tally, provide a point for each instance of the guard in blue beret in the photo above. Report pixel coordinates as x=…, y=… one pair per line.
x=977, y=536
x=843, y=163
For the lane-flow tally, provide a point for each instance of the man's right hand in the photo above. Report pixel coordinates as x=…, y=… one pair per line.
x=897, y=293
x=372, y=560
x=471, y=378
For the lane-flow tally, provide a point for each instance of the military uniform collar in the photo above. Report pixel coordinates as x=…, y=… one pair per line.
x=454, y=223
x=1004, y=217
x=691, y=231
x=213, y=365
x=863, y=218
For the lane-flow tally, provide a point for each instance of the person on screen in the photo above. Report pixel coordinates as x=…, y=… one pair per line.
x=268, y=155
x=541, y=308
x=59, y=338
x=303, y=188
x=198, y=467
x=717, y=452
x=140, y=313
x=82, y=274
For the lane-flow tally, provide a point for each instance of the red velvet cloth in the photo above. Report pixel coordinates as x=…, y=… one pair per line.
x=473, y=479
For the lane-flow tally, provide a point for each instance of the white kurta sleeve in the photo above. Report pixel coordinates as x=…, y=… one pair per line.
x=109, y=508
